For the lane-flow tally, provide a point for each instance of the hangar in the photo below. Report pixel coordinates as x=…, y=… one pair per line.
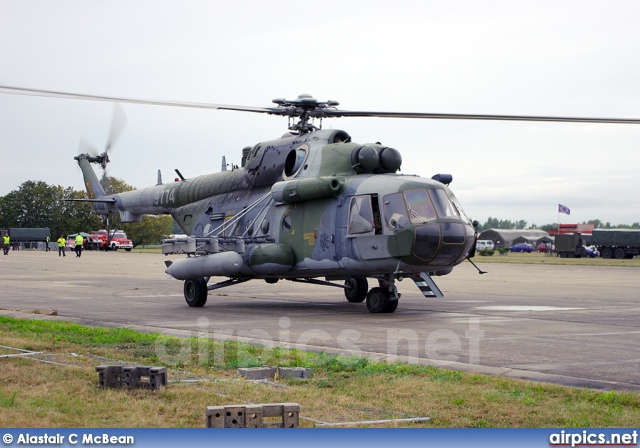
x=508, y=237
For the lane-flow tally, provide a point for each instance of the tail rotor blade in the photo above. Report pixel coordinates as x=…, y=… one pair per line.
x=86, y=147
x=118, y=122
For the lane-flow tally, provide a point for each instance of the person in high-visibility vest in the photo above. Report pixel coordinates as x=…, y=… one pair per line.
x=6, y=243
x=79, y=241
x=61, y=244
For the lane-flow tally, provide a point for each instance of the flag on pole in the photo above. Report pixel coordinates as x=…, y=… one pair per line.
x=563, y=209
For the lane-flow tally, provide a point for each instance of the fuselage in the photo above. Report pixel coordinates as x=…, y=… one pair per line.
x=335, y=205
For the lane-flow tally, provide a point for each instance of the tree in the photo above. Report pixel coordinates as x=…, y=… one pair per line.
x=596, y=223
x=36, y=204
x=522, y=224
x=548, y=227
x=150, y=230
x=495, y=223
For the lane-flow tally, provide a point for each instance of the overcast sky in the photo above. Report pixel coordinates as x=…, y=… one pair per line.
x=561, y=58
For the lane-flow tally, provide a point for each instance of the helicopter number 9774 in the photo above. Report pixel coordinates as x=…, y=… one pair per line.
x=311, y=206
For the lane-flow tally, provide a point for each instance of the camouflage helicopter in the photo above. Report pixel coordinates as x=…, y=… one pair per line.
x=311, y=206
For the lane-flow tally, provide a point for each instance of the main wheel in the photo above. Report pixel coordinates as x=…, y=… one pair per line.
x=619, y=253
x=391, y=306
x=377, y=300
x=195, y=292
x=606, y=252
x=358, y=291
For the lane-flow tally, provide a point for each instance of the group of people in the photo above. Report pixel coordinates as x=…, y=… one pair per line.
x=6, y=245
x=78, y=249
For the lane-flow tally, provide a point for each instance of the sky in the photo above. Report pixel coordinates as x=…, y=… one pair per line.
x=561, y=58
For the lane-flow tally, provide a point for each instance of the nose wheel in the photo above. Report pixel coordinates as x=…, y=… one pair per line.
x=383, y=299
x=380, y=300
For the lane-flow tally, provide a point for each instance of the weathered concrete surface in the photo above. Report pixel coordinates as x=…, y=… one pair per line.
x=571, y=325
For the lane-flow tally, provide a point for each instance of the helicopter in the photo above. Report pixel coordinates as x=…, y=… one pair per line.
x=311, y=206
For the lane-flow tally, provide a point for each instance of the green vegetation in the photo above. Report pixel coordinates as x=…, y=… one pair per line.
x=37, y=204
x=64, y=392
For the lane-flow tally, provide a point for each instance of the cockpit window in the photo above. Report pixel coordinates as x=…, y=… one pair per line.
x=360, y=216
x=443, y=204
x=420, y=208
x=458, y=207
x=395, y=212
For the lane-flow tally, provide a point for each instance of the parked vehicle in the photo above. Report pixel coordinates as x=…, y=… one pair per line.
x=115, y=240
x=546, y=247
x=591, y=252
x=485, y=244
x=570, y=245
x=71, y=241
x=521, y=247
x=617, y=243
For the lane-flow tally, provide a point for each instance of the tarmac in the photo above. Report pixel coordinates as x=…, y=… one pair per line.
x=571, y=325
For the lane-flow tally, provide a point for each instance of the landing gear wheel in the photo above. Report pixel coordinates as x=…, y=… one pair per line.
x=358, y=291
x=377, y=300
x=391, y=306
x=607, y=253
x=195, y=292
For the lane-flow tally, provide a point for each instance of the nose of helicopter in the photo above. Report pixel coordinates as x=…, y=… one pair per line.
x=442, y=243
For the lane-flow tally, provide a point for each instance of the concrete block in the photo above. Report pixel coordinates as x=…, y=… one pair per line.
x=254, y=416
x=234, y=417
x=290, y=415
x=277, y=415
x=157, y=377
x=132, y=377
x=257, y=373
x=215, y=416
x=294, y=372
x=109, y=376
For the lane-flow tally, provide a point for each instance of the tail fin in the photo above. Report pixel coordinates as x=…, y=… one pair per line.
x=91, y=182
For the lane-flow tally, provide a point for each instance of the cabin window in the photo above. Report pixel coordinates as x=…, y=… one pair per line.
x=420, y=208
x=360, y=216
x=265, y=226
x=443, y=204
x=395, y=212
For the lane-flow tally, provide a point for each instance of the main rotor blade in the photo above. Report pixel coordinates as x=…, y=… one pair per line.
x=351, y=113
x=78, y=96
x=318, y=112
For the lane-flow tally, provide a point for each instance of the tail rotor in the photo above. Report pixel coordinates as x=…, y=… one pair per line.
x=91, y=153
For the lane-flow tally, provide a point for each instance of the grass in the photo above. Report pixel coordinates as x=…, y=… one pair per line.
x=64, y=392
x=541, y=258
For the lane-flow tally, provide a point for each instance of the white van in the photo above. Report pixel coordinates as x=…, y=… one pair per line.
x=485, y=244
